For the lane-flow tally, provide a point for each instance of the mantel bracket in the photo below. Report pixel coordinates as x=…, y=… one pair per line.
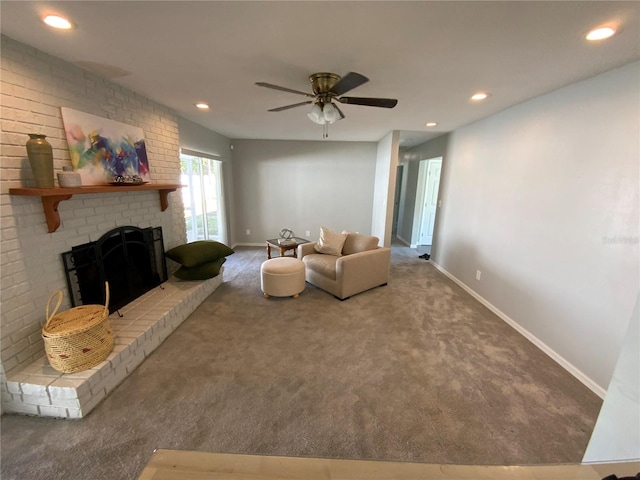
x=51, y=213
x=164, y=197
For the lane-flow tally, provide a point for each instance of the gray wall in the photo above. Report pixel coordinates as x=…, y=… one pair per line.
x=543, y=199
x=384, y=189
x=201, y=139
x=302, y=185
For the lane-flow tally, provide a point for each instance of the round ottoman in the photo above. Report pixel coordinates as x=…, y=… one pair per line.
x=282, y=277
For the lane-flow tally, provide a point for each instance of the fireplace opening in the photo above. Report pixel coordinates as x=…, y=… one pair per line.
x=131, y=259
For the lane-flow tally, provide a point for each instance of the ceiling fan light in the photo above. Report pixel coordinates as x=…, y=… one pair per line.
x=331, y=113
x=315, y=115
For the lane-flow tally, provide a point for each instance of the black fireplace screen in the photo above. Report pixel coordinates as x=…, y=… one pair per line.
x=131, y=259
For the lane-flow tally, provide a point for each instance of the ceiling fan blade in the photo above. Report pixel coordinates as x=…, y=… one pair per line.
x=287, y=107
x=350, y=81
x=369, y=102
x=284, y=89
x=339, y=111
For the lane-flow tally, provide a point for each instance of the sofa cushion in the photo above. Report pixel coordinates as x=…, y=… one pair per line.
x=198, y=253
x=330, y=242
x=321, y=263
x=356, y=243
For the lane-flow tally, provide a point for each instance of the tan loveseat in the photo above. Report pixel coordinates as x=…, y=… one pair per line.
x=363, y=265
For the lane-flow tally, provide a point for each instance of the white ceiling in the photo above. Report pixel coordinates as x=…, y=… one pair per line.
x=431, y=56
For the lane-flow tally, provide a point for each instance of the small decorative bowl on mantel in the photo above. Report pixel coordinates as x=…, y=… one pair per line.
x=123, y=180
x=68, y=178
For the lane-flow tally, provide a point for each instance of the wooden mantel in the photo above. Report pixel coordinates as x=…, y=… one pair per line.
x=51, y=197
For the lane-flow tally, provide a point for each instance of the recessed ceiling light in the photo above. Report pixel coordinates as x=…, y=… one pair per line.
x=431, y=124
x=479, y=96
x=56, y=21
x=600, y=33
x=202, y=106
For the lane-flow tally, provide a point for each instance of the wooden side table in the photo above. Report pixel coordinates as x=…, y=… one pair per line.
x=273, y=243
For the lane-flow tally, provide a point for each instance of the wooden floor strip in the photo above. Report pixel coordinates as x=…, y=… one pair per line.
x=189, y=465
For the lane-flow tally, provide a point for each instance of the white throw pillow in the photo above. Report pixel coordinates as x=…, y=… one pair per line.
x=330, y=242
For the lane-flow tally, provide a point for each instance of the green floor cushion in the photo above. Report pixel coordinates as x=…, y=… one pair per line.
x=201, y=272
x=198, y=253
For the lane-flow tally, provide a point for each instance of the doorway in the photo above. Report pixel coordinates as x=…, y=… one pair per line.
x=203, y=198
x=426, y=203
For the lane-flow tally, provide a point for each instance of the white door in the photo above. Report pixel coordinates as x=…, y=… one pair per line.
x=430, y=206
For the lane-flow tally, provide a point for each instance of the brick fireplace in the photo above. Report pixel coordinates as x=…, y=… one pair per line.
x=139, y=326
x=35, y=86
x=31, y=386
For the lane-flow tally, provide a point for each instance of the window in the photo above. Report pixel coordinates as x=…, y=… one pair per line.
x=202, y=197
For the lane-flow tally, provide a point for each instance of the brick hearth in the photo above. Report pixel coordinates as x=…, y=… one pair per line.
x=40, y=390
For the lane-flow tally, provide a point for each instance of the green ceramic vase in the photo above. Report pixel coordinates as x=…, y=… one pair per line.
x=41, y=160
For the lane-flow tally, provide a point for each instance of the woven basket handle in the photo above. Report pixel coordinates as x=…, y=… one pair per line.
x=106, y=301
x=55, y=310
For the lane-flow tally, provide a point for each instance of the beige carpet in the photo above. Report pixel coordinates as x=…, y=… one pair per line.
x=415, y=371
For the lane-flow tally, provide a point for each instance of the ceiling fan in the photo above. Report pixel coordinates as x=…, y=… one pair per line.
x=327, y=89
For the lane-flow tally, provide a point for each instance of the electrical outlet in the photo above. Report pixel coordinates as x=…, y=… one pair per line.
x=478, y=274
x=248, y=232
x=307, y=233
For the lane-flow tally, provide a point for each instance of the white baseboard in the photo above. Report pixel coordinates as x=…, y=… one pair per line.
x=555, y=356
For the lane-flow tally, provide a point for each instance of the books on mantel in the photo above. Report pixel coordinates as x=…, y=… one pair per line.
x=286, y=241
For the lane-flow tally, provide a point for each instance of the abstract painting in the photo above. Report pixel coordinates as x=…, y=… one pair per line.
x=102, y=150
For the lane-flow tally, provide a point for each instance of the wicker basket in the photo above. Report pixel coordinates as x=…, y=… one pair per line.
x=79, y=338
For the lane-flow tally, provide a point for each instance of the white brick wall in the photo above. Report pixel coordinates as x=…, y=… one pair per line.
x=33, y=87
